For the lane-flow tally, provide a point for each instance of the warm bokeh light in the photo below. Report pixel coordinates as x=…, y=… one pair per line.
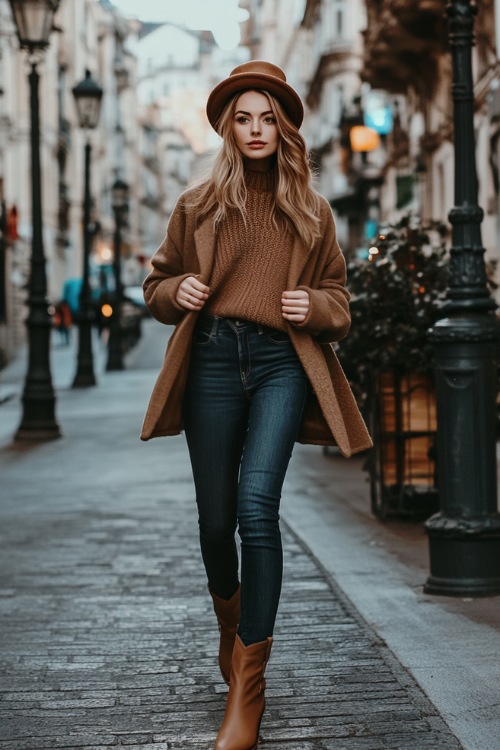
x=364, y=139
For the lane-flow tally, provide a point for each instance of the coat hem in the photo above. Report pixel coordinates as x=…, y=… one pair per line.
x=166, y=433
x=332, y=443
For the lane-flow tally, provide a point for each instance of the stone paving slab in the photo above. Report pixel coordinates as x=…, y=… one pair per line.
x=107, y=635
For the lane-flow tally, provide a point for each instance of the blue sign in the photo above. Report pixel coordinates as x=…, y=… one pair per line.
x=371, y=229
x=380, y=119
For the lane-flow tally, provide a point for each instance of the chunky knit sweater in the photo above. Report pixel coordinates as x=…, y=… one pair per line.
x=252, y=259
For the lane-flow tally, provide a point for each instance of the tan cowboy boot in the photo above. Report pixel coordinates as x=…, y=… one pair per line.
x=228, y=618
x=245, y=701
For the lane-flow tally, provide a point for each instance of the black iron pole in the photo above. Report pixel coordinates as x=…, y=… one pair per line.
x=115, y=344
x=85, y=364
x=464, y=537
x=38, y=420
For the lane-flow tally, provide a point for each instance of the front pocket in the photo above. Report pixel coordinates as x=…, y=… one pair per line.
x=277, y=337
x=201, y=338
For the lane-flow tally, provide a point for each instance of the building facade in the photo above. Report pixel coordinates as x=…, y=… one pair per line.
x=87, y=35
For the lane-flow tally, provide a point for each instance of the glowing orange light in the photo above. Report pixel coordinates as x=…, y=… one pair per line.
x=364, y=139
x=107, y=310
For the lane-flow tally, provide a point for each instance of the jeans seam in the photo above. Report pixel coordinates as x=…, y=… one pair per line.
x=244, y=373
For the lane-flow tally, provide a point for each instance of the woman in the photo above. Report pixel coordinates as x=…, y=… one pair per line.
x=251, y=274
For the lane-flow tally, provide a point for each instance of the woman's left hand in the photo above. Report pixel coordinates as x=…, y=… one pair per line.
x=295, y=305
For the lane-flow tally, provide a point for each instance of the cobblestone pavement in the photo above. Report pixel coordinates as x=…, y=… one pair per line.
x=107, y=635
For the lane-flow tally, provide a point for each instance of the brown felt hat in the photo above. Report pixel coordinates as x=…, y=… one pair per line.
x=260, y=75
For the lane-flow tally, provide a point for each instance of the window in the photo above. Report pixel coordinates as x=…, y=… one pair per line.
x=338, y=9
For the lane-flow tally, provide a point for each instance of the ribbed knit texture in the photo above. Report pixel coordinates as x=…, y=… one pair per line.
x=251, y=262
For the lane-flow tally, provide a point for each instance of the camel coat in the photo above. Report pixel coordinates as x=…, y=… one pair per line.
x=331, y=416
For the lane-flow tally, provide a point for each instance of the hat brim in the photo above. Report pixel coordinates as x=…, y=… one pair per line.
x=222, y=93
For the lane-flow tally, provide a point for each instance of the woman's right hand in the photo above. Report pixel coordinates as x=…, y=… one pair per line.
x=192, y=294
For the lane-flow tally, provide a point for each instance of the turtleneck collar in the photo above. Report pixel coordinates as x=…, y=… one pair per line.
x=262, y=182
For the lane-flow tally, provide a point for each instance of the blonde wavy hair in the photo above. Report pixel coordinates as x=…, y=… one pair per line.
x=295, y=202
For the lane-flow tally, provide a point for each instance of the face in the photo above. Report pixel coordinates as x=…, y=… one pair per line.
x=255, y=130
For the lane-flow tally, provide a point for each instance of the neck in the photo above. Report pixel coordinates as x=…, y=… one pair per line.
x=259, y=165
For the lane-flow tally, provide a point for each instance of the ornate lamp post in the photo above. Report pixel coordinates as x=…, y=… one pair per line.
x=34, y=20
x=88, y=96
x=464, y=537
x=119, y=201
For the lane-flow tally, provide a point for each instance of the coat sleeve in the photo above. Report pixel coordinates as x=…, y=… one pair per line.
x=161, y=285
x=328, y=318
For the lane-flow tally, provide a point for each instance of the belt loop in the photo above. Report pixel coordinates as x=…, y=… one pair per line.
x=260, y=329
x=215, y=325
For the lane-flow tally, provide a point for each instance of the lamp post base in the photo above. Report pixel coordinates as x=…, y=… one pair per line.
x=115, y=344
x=464, y=556
x=85, y=377
x=36, y=434
x=38, y=421
x=37, y=429
x=84, y=380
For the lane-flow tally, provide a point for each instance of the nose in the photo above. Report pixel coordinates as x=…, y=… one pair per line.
x=255, y=126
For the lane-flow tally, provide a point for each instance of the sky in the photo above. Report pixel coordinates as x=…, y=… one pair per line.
x=222, y=17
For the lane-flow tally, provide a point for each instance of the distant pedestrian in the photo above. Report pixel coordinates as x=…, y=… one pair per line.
x=251, y=274
x=63, y=321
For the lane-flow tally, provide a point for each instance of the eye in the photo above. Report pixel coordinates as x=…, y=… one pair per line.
x=270, y=120
x=242, y=119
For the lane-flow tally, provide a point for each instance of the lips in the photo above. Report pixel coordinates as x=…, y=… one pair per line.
x=257, y=143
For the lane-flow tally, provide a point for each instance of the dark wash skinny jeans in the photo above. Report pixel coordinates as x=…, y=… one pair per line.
x=242, y=409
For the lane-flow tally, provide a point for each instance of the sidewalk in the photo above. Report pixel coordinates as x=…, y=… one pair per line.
x=107, y=638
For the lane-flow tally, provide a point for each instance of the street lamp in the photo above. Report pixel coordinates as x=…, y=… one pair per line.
x=88, y=96
x=34, y=20
x=119, y=202
x=464, y=537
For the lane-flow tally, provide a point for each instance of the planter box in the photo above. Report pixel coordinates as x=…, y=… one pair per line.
x=402, y=463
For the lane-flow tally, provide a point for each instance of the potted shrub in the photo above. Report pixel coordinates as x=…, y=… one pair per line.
x=389, y=360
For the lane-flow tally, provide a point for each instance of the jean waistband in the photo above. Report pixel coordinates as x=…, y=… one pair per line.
x=211, y=324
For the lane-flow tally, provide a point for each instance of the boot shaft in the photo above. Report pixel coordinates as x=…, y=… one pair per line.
x=227, y=611
x=228, y=618
x=246, y=699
